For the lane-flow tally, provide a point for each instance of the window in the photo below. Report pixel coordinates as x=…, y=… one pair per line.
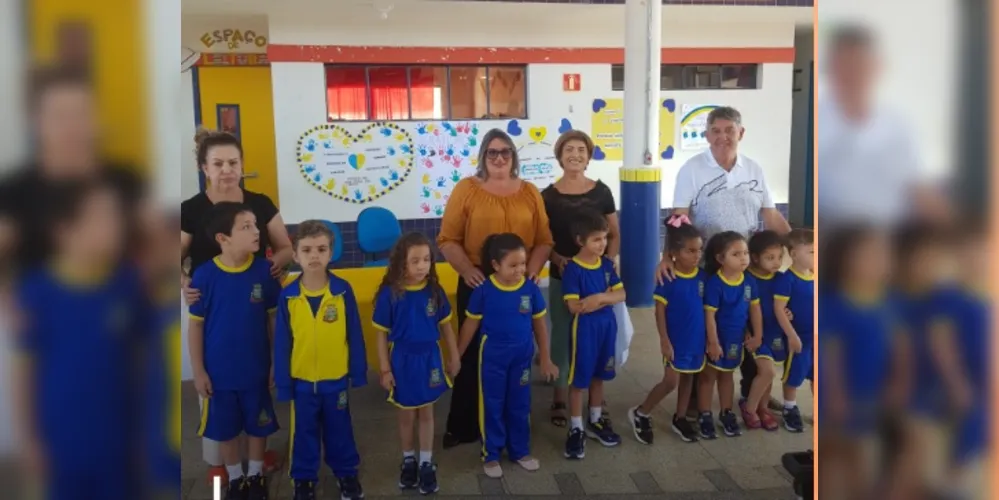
x=425, y=92
x=698, y=76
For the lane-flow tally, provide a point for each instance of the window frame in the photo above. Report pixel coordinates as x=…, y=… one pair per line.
x=681, y=70
x=409, y=90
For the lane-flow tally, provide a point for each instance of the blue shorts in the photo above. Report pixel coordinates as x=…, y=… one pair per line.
x=773, y=348
x=591, y=347
x=420, y=377
x=798, y=367
x=686, y=362
x=731, y=356
x=227, y=414
x=971, y=438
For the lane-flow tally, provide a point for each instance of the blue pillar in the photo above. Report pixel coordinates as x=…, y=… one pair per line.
x=640, y=175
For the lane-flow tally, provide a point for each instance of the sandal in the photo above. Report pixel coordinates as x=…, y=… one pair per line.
x=557, y=418
x=529, y=463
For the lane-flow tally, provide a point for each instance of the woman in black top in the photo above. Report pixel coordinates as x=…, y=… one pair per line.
x=563, y=199
x=220, y=157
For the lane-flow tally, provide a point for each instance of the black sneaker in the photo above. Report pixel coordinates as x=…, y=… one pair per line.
x=730, y=426
x=256, y=486
x=602, y=431
x=350, y=488
x=683, y=428
x=305, y=490
x=428, y=478
x=792, y=419
x=575, y=445
x=410, y=473
x=706, y=425
x=237, y=489
x=642, y=426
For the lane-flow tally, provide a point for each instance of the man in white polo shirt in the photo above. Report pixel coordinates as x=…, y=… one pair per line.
x=722, y=190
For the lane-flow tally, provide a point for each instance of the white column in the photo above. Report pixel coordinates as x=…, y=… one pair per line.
x=642, y=59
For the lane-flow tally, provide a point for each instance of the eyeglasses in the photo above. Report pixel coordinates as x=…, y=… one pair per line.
x=492, y=154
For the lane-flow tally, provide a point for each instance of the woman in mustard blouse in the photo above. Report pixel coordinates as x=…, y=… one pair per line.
x=494, y=201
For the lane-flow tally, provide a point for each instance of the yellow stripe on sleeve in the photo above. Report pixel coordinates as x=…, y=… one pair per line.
x=710, y=308
x=570, y=296
x=617, y=286
x=447, y=319
x=472, y=315
x=754, y=301
x=380, y=327
x=660, y=299
x=199, y=318
x=540, y=314
x=785, y=298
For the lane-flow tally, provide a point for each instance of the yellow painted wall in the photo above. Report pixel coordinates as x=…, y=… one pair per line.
x=365, y=281
x=119, y=54
x=250, y=88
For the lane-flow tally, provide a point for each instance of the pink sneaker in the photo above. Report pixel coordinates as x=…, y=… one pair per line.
x=768, y=420
x=752, y=421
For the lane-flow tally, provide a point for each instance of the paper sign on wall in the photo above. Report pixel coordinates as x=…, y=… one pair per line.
x=607, y=129
x=694, y=125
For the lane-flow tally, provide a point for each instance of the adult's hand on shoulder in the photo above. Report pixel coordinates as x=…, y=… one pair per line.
x=473, y=277
x=664, y=272
x=191, y=295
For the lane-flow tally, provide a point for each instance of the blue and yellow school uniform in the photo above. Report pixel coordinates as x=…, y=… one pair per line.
x=919, y=313
x=862, y=330
x=971, y=322
x=730, y=301
x=774, y=345
x=235, y=306
x=507, y=315
x=163, y=395
x=683, y=298
x=81, y=340
x=412, y=322
x=593, y=335
x=798, y=291
x=318, y=355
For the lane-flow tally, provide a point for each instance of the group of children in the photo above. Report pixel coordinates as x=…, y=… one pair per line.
x=740, y=303
x=318, y=350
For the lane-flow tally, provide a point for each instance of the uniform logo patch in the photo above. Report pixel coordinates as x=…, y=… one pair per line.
x=525, y=378
x=431, y=308
x=607, y=278
x=257, y=295
x=263, y=418
x=330, y=314
x=733, y=351
x=700, y=288
x=747, y=293
x=341, y=402
x=435, y=377
x=525, y=304
x=777, y=344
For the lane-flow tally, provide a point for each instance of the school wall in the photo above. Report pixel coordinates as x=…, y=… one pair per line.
x=300, y=98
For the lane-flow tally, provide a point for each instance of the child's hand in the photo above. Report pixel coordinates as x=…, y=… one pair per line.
x=454, y=366
x=753, y=342
x=667, y=348
x=387, y=380
x=714, y=351
x=203, y=384
x=590, y=304
x=794, y=343
x=549, y=370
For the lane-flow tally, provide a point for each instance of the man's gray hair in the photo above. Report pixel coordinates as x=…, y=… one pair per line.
x=480, y=170
x=725, y=113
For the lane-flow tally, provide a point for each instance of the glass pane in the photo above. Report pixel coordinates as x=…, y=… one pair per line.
x=346, y=93
x=227, y=116
x=670, y=77
x=701, y=77
x=389, y=93
x=740, y=76
x=468, y=92
x=428, y=92
x=507, y=92
x=617, y=77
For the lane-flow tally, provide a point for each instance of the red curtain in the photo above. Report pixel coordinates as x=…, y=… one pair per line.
x=349, y=89
x=346, y=98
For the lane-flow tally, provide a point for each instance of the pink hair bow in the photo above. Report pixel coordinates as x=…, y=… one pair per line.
x=678, y=220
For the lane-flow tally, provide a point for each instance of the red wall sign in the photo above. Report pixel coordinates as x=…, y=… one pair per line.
x=571, y=82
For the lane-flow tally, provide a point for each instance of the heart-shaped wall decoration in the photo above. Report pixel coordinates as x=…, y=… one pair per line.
x=356, y=167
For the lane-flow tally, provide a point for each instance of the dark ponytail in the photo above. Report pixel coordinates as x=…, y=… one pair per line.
x=717, y=246
x=496, y=247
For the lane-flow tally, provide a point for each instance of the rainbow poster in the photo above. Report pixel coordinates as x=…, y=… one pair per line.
x=693, y=126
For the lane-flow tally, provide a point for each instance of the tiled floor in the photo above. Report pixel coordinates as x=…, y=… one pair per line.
x=727, y=468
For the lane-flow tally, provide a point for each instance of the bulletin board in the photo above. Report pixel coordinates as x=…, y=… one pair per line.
x=608, y=129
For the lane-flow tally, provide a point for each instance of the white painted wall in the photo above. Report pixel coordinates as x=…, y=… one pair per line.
x=188, y=163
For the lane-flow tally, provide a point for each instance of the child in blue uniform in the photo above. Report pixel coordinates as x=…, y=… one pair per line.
x=680, y=320
x=857, y=334
x=230, y=345
x=731, y=300
x=766, y=253
x=319, y=355
x=590, y=286
x=509, y=308
x=83, y=318
x=413, y=312
x=794, y=291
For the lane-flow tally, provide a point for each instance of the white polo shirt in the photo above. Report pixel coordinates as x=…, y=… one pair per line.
x=721, y=200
